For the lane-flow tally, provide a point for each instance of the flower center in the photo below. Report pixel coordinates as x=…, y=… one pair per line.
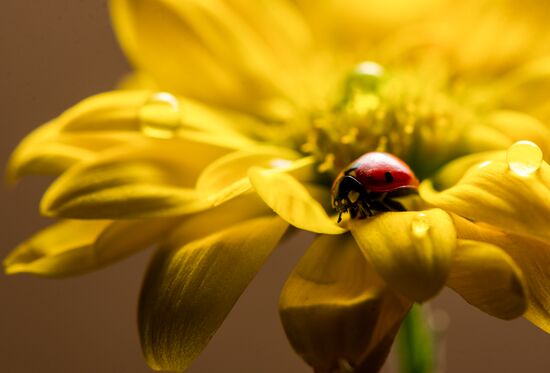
x=411, y=114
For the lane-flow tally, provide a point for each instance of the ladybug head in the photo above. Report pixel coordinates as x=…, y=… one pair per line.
x=346, y=190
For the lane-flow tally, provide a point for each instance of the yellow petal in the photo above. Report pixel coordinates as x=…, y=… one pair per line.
x=493, y=194
x=530, y=255
x=453, y=171
x=486, y=277
x=412, y=251
x=47, y=150
x=131, y=111
x=292, y=201
x=115, y=118
x=227, y=177
x=335, y=309
x=229, y=53
x=72, y=247
x=190, y=289
x=520, y=126
x=111, y=111
x=204, y=223
x=147, y=179
x=525, y=88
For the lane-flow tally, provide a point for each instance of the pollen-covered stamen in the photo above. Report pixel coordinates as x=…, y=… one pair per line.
x=411, y=114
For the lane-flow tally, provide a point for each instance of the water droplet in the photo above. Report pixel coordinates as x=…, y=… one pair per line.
x=364, y=78
x=420, y=225
x=524, y=157
x=369, y=68
x=160, y=116
x=280, y=163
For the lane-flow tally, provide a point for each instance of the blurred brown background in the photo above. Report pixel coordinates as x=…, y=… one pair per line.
x=54, y=53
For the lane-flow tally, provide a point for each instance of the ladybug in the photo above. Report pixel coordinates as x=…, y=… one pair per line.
x=370, y=183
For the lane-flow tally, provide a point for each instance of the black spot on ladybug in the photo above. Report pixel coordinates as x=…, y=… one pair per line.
x=388, y=176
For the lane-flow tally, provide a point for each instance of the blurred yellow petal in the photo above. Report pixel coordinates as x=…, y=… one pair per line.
x=204, y=223
x=494, y=194
x=137, y=80
x=335, y=309
x=227, y=177
x=115, y=118
x=346, y=22
x=482, y=138
x=530, y=255
x=230, y=53
x=190, y=289
x=292, y=201
x=73, y=247
x=148, y=179
x=520, y=126
x=110, y=111
x=412, y=251
x=486, y=277
x=140, y=111
x=454, y=170
x=525, y=88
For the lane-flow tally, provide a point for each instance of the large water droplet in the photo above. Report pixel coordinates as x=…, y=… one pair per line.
x=160, y=116
x=420, y=225
x=369, y=68
x=366, y=76
x=524, y=157
x=363, y=80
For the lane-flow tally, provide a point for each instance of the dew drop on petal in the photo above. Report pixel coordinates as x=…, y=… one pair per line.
x=369, y=68
x=280, y=163
x=160, y=116
x=420, y=225
x=365, y=77
x=524, y=157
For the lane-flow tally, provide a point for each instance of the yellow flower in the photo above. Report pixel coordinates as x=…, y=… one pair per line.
x=268, y=101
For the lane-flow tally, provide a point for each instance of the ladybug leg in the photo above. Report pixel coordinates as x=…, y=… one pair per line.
x=394, y=205
x=340, y=215
x=367, y=208
x=390, y=203
x=385, y=202
x=364, y=209
x=353, y=212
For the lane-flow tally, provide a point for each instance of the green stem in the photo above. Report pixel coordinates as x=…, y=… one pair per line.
x=416, y=343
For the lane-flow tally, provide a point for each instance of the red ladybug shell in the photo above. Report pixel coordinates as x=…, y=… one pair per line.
x=381, y=172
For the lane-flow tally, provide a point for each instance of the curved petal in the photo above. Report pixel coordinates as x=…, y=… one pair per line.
x=73, y=247
x=147, y=179
x=453, y=171
x=486, y=277
x=346, y=22
x=204, y=223
x=227, y=177
x=190, y=289
x=122, y=111
x=234, y=53
x=292, y=201
x=335, y=309
x=115, y=118
x=412, y=251
x=50, y=151
x=493, y=194
x=530, y=255
x=520, y=126
x=525, y=88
